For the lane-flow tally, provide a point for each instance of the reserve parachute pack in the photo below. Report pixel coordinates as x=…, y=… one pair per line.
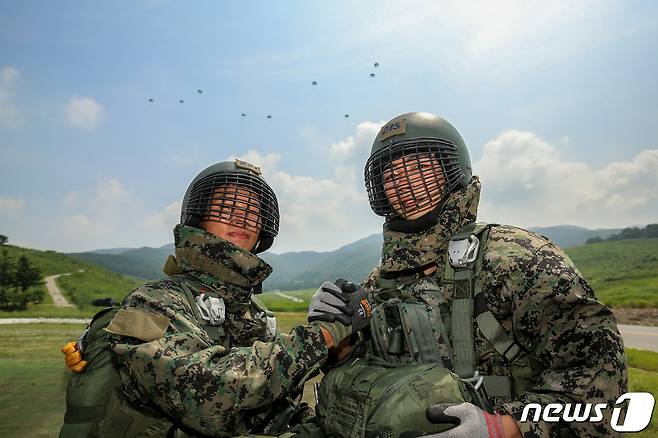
x=388, y=391
x=97, y=389
x=369, y=397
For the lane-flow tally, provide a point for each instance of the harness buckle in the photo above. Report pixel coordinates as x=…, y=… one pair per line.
x=212, y=309
x=463, y=251
x=476, y=380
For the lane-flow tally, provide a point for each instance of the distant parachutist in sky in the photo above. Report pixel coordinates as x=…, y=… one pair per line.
x=347, y=115
x=372, y=75
x=269, y=116
x=243, y=115
x=314, y=83
x=181, y=101
x=376, y=64
x=200, y=91
x=151, y=100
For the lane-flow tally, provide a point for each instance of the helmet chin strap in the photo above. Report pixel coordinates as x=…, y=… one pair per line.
x=263, y=244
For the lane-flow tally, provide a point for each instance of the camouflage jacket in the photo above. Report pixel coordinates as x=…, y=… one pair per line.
x=211, y=385
x=537, y=294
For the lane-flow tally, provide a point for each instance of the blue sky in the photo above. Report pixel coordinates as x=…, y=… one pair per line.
x=558, y=103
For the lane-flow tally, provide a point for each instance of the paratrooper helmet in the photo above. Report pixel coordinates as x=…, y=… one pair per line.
x=425, y=140
x=202, y=198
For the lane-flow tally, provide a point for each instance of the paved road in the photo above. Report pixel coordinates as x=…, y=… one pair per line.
x=295, y=299
x=635, y=336
x=43, y=321
x=640, y=337
x=54, y=291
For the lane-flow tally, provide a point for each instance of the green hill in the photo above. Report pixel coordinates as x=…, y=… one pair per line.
x=142, y=262
x=572, y=235
x=49, y=262
x=353, y=262
x=85, y=283
x=300, y=270
x=623, y=273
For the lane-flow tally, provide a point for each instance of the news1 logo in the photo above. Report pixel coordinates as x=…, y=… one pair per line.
x=638, y=413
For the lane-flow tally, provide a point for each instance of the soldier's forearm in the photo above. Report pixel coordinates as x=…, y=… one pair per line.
x=209, y=389
x=510, y=428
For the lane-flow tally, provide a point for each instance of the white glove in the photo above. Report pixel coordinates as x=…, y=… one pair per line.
x=473, y=422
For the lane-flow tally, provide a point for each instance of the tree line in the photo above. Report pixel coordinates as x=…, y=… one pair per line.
x=17, y=281
x=650, y=230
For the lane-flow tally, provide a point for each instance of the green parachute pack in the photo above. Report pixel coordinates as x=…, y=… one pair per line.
x=385, y=394
x=97, y=390
x=88, y=392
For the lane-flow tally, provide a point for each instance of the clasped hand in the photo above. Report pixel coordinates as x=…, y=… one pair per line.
x=342, y=308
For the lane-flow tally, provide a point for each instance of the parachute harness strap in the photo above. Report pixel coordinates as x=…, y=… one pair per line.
x=465, y=268
x=463, y=256
x=216, y=332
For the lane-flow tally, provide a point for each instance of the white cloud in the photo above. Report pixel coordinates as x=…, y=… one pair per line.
x=464, y=38
x=9, y=114
x=494, y=25
x=11, y=206
x=109, y=191
x=107, y=200
x=360, y=142
x=316, y=213
x=194, y=157
x=165, y=218
x=84, y=113
x=71, y=199
x=526, y=182
x=84, y=227
x=267, y=163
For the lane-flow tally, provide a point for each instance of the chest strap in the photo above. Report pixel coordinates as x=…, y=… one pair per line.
x=464, y=267
x=464, y=257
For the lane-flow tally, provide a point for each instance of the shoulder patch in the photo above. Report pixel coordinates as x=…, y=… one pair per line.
x=145, y=326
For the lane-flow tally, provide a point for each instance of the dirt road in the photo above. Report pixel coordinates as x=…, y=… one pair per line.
x=55, y=293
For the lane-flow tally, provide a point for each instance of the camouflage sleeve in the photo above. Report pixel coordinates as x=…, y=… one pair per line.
x=557, y=318
x=370, y=283
x=207, y=387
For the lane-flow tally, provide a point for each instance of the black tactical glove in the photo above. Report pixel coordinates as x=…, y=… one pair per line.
x=341, y=301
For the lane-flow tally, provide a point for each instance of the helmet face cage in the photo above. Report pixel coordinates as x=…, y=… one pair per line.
x=238, y=199
x=411, y=176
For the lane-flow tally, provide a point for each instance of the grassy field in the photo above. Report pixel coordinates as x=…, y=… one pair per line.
x=277, y=303
x=33, y=378
x=623, y=273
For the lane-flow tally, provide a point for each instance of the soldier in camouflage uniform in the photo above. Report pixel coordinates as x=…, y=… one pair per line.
x=197, y=355
x=565, y=346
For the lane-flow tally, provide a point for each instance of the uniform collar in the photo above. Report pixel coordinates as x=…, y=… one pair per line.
x=218, y=263
x=405, y=253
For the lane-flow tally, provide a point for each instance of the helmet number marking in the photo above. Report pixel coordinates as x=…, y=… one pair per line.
x=394, y=127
